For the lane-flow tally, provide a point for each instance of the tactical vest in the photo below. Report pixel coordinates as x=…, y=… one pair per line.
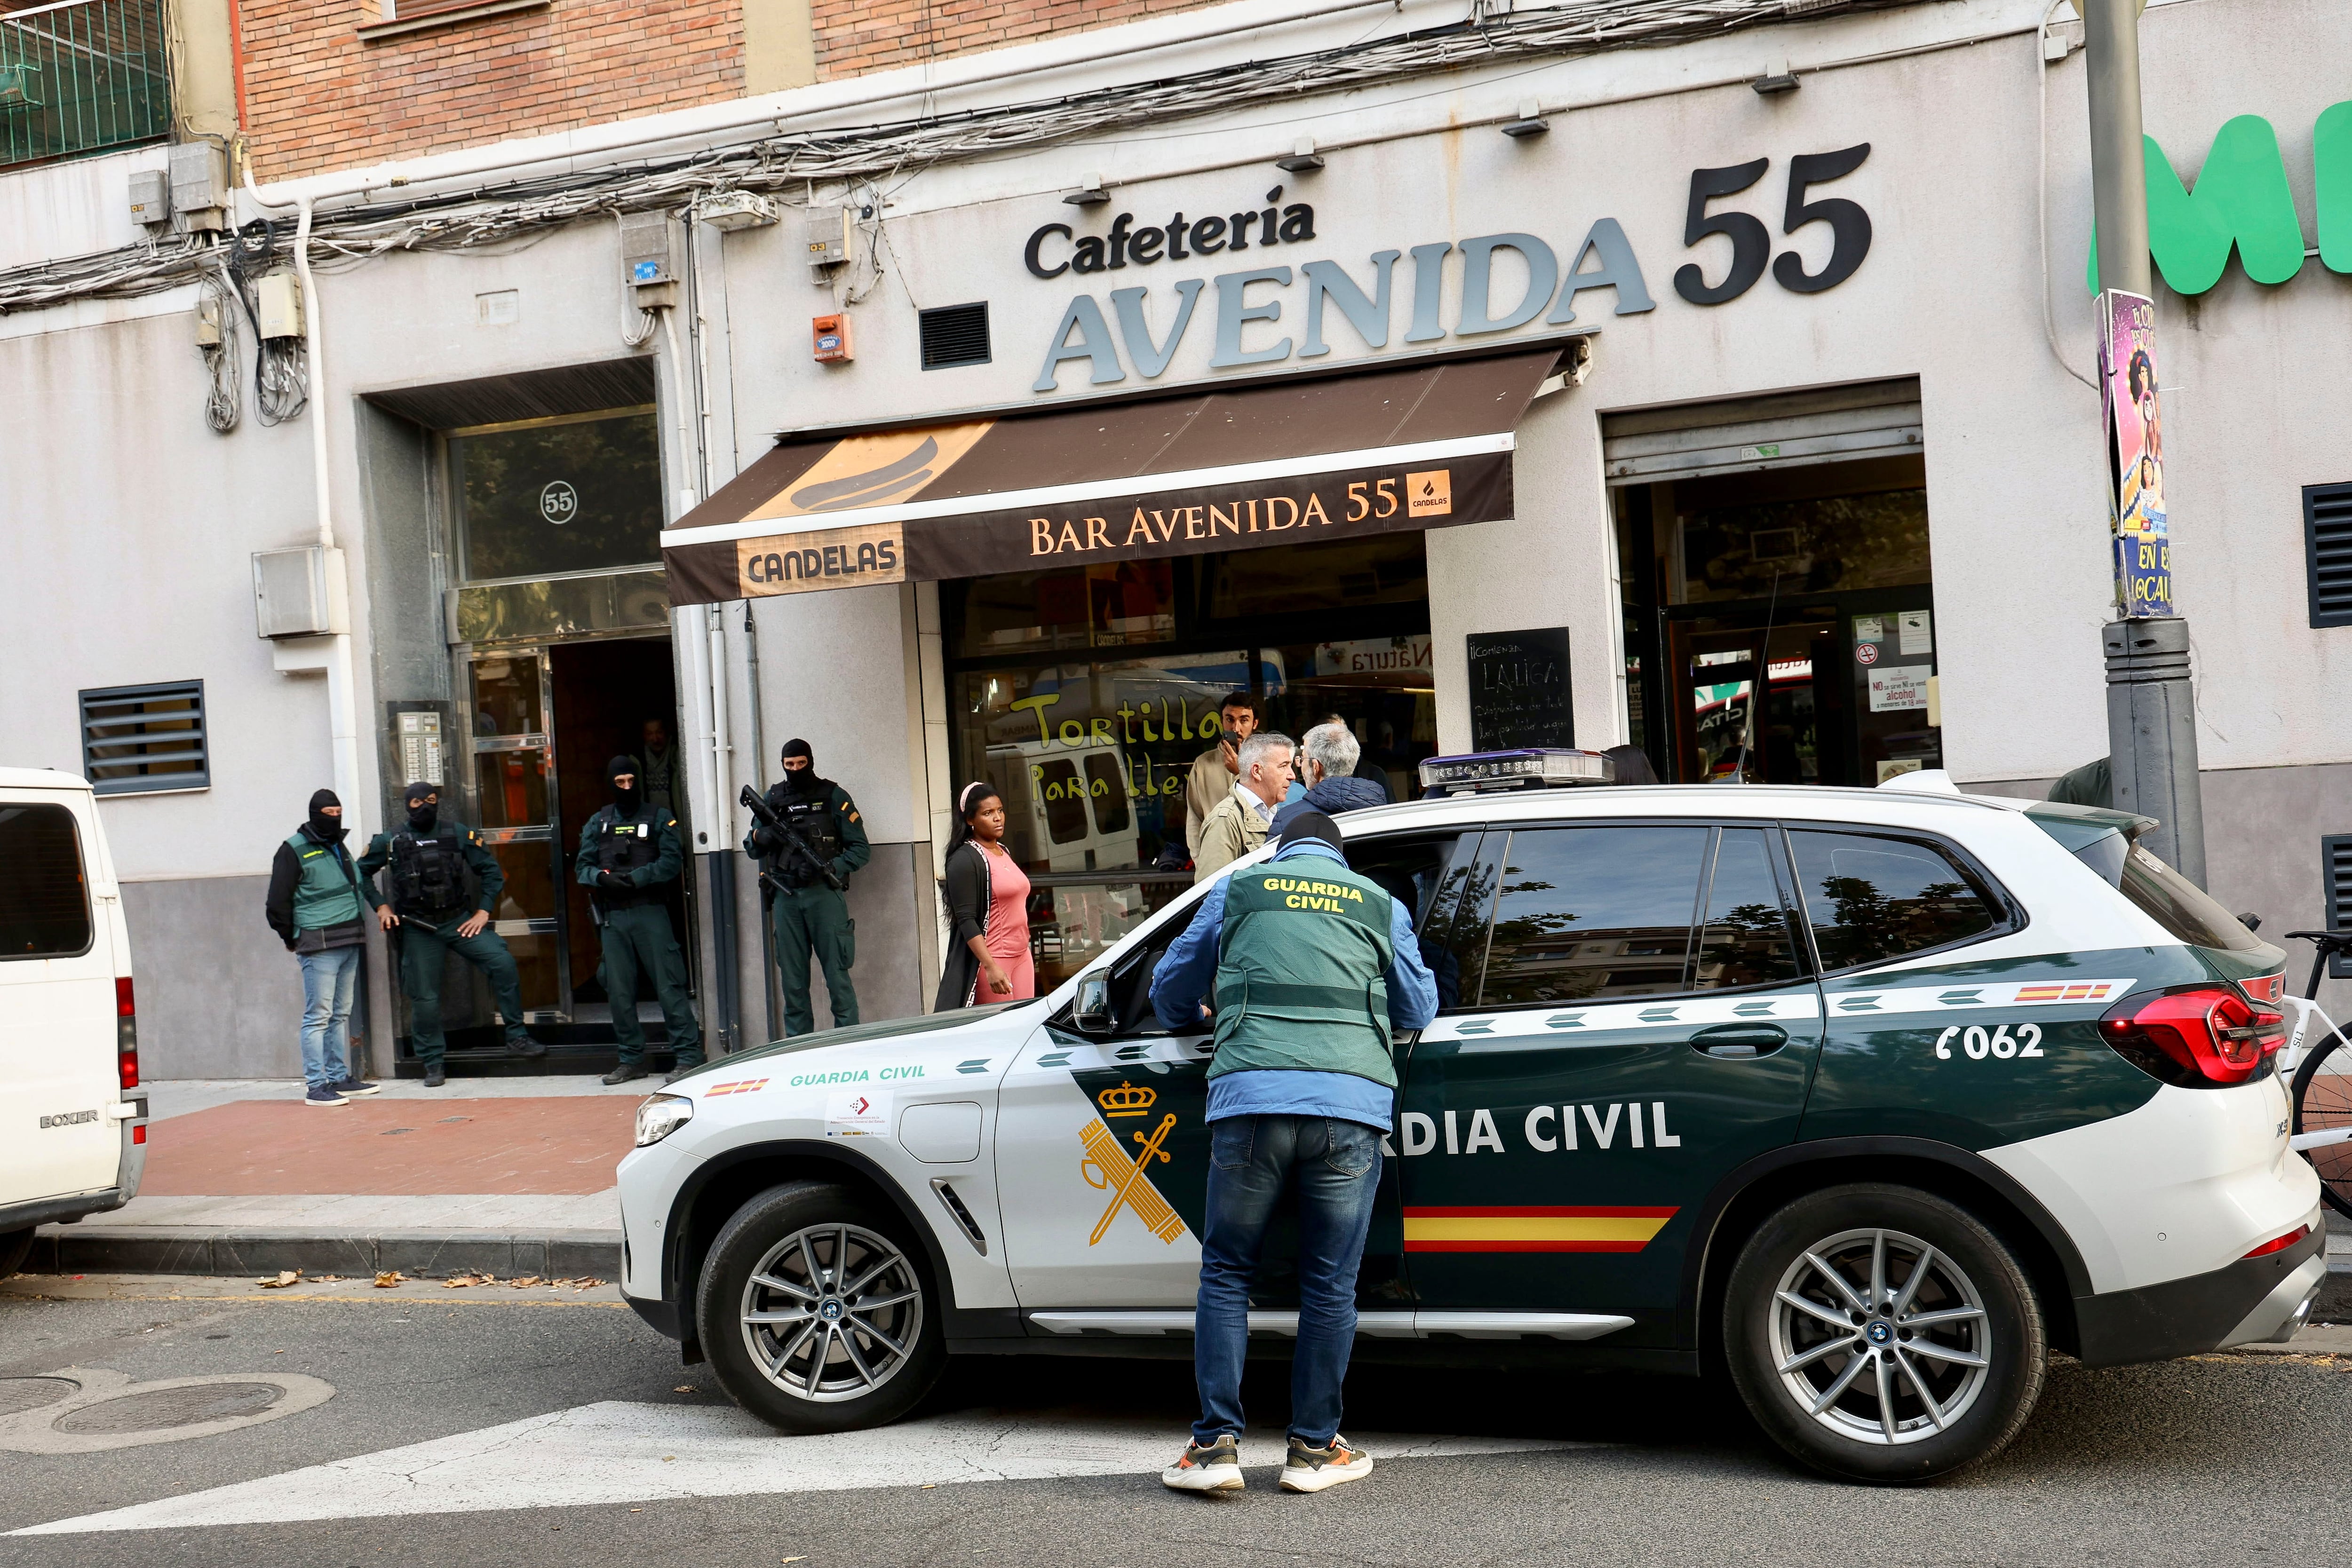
x=1302, y=971
x=328, y=895
x=427, y=874
x=813, y=815
x=623, y=844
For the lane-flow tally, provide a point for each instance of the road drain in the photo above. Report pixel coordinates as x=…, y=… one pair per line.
x=166, y=1407
x=18, y=1395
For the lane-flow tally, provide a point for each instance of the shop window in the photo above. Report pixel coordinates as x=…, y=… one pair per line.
x=1872, y=898
x=1588, y=914
x=954, y=335
x=572, y=495
x=1748, y=939
x=1393, y=570
x=145, y=739
x=44, y=903
x=1826, y=529
x=2328, y=552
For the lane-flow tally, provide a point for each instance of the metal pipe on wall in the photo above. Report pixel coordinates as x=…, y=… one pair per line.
x=759, y=776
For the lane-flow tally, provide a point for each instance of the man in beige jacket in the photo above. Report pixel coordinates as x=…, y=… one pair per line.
x=1238, y=823
x=1214, y=771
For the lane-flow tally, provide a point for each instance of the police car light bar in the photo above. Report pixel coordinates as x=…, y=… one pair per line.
x=1530, y=768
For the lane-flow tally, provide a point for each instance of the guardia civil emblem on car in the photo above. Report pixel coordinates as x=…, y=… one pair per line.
x=1872, y=1098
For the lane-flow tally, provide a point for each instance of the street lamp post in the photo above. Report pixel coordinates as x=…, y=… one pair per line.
x=2152, y=707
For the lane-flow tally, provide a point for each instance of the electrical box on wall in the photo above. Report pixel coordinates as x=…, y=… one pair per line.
x=732, y=210
x=300, y=592
x=831, y=233
x=831, y=338
x=199, y=171
x=279, y=305
x=651, y=262
x=150, y=197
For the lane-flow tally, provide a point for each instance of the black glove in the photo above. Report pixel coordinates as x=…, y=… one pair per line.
x=612, y=880
x=763, y=840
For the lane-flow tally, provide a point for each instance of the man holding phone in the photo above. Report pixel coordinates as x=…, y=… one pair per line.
x=1215, y=769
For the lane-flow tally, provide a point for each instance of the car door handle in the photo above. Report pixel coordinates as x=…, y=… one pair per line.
x=1739, y=1040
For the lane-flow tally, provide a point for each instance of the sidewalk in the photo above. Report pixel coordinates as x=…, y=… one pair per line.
x=501, y=1175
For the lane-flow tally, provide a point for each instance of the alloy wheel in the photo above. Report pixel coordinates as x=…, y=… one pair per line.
x=1880, y=1337
x=832, y=1312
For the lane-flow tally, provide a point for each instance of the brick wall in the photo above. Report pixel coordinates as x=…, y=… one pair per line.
x=318, y=97
x=857, y=36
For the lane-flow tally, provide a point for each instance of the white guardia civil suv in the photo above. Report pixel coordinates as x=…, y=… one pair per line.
x=1868, y=1099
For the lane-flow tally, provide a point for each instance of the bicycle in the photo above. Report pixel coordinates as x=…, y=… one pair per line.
x=2323, y=1122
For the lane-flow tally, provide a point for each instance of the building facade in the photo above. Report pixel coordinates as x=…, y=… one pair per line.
x=992, y=410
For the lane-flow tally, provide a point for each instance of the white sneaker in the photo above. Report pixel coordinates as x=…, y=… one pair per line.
x=1217, y=1467
x=1312, y=1469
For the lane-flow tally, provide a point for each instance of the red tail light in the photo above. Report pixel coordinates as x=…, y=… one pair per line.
x=2202, y=1038
x=2280, y=1243
x=126, y=1031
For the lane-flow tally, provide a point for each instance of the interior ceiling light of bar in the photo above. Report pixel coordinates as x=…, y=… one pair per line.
x=789, y=164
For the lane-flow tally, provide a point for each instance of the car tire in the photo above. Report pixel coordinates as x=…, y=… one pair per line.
x=784, y=1338
x=1941, y=1290
x=14, y=1244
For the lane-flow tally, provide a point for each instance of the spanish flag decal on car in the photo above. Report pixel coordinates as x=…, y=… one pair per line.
x=1532, y=1230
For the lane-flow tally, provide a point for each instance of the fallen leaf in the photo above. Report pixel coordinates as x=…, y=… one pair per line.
x=525, y=1282
x=684, y=1388
x=283, y=1279
x=388, y=1278
x=329, y=1280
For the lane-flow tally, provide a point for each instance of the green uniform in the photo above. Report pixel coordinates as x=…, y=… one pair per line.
x=647, y=852
x=1302, y=972
x=430, y=915
x=811, y=919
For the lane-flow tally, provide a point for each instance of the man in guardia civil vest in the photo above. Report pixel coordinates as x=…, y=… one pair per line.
x=314, y=906
x=1309, y=969
x=628, y=850
x=428, y=863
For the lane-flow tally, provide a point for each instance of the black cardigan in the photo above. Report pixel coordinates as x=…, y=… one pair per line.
x=969, y=892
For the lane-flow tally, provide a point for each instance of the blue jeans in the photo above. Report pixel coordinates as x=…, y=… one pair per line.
x=1336, y=1165
x=327, y=981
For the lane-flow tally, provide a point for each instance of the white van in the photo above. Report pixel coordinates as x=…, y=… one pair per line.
x=73, y=1119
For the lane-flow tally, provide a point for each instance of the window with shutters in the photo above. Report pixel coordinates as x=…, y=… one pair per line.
x=955, y=335
x=145, y=739
x=2327, y=551
x=2335, y=895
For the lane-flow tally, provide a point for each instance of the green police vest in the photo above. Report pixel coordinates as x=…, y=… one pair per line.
x=327, y=894
x=1302, y=972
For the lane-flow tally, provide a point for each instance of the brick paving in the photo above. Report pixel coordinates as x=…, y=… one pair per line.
x=391, y=1147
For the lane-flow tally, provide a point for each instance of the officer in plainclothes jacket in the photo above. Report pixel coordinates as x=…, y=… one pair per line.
x=811, y=916
x=627, y=851
x=426, y=862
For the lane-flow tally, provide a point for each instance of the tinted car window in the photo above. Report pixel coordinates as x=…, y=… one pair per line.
x=1426, y=876
x=1871, y=899
x=1748, y=939
x=1585, y=913
x=44, y=907
x=2180, y=905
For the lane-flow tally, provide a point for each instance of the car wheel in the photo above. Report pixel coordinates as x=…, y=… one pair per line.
x=818, y=1313
x=13, y=1246
x=1881, y=1334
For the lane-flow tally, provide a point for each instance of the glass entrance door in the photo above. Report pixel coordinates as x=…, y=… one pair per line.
x=514, y=783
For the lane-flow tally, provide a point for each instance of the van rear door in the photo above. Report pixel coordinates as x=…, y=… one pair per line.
x=58, y=1044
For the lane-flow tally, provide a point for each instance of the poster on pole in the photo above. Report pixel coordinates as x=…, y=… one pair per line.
x=2135, y=429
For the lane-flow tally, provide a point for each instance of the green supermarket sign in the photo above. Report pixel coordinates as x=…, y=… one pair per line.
x=2242, y=202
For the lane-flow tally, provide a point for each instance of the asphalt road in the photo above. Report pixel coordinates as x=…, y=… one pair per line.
x=550, y=1427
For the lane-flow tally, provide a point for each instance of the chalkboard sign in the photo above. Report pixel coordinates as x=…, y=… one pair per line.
x=1519, y=689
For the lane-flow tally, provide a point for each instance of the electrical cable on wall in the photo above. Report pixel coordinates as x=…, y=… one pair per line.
x=281, y=374
x=216, y=342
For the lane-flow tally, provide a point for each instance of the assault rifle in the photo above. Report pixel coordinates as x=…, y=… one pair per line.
x=790, y=839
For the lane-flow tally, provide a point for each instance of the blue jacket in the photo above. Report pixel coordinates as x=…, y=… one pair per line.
x=1188, y=970
x=1332, y=797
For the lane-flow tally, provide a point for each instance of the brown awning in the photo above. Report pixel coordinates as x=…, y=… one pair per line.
x=1420, y=447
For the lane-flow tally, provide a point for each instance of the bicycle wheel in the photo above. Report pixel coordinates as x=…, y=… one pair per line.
x=2322, y=1102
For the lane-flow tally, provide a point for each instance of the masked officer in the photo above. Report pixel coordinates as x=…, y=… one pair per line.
x=811, y=916
x=629, y=852
x=425, y=861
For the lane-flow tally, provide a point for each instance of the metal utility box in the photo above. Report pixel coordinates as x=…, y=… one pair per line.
x=830, y=339
x=732, y=210
x=651, y=258
x=199, y=188
x=300, y=592
x=831, y=233
x=279, y=305
x=150, y=197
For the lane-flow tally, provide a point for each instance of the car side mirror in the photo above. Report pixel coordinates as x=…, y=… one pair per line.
x=1090, y=1013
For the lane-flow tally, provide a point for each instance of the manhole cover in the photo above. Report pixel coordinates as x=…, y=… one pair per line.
x=186, y=1406
x=18, y=1395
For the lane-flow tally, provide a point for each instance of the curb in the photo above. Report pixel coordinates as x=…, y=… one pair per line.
x=89, y=1248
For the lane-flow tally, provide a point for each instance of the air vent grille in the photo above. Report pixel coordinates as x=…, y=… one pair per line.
x=2327, y=546
x=955, y=335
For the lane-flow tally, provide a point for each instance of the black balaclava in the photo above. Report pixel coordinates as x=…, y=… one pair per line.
x=325, y=829
x=422, y=818
x=1311, y=825
x=805, y=781
x=626, y=799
